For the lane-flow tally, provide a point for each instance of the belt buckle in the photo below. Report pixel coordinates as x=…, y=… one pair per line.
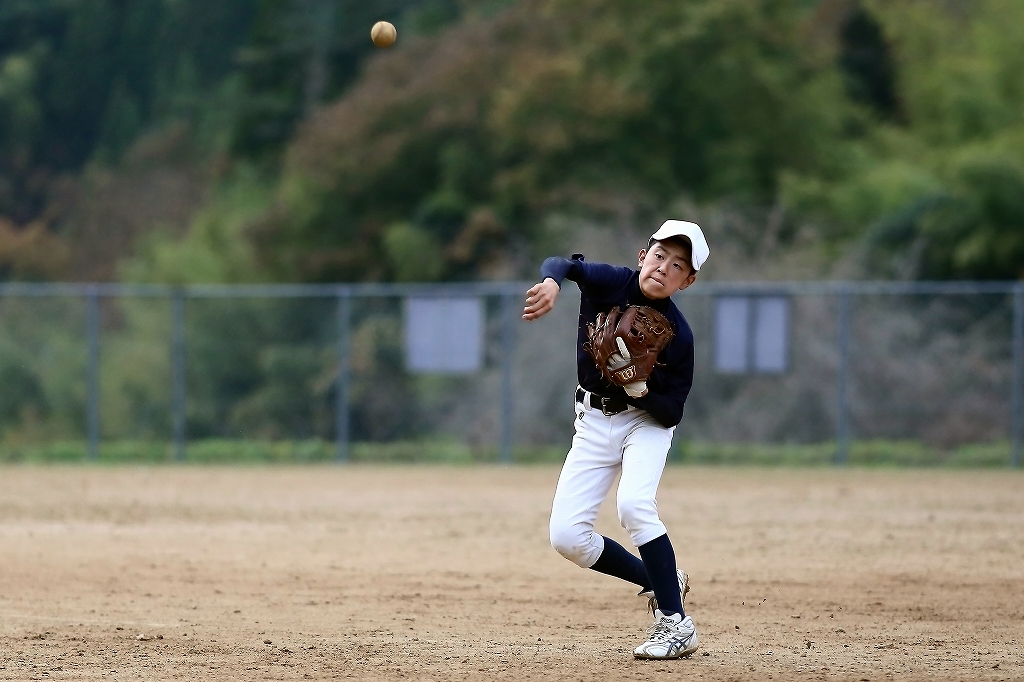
x=604, y=407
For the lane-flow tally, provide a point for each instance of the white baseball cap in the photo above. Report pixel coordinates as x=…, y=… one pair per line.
x=680, y=228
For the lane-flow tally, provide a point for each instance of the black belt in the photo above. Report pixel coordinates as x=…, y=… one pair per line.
x=608, y=406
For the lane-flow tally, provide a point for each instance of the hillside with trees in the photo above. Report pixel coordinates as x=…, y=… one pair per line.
x=267, y=140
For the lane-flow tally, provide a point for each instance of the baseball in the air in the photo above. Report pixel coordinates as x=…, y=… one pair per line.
x=383, y=34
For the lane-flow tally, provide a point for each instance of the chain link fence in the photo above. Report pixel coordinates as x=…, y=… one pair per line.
x=813, y=372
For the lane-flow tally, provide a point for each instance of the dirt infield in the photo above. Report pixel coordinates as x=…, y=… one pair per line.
x=445, y=574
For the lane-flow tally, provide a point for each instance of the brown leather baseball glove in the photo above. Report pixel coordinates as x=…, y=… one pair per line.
x=625, y=345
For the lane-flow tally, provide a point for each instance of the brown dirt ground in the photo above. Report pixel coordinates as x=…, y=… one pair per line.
x=445, y=573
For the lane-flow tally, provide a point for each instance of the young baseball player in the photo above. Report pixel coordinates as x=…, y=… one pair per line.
x=627, y=430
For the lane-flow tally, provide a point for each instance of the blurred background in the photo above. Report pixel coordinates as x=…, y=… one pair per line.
x=182, y=143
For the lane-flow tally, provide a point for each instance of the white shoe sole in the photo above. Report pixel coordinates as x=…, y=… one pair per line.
x=685, y=653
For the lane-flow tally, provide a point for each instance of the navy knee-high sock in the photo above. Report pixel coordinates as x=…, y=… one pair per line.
x=660, y=562
x=616, y=560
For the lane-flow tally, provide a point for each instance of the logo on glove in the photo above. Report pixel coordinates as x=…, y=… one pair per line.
x=624, y=376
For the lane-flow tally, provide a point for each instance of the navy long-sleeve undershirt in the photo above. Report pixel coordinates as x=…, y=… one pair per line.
x=602, y=287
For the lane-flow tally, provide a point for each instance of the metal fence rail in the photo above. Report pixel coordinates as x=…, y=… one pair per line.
x=510, y=292
x=510, y=295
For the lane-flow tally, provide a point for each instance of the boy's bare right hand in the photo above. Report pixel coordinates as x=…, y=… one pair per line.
x=540, y=299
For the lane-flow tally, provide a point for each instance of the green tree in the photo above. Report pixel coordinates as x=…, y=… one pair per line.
x=80, y=80
x=555, y=106
x=301, y=53
x=936, y=193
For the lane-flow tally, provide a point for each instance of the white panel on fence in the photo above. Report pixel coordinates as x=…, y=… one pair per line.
x=444, y=335
x=731, y=325
x=771, y=327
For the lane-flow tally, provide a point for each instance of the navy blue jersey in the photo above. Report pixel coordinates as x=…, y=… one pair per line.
x=602, y=287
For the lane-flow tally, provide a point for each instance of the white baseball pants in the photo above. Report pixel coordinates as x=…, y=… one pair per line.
x=631, y=443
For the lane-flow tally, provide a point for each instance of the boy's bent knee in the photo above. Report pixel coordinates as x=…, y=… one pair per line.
x=578, y=545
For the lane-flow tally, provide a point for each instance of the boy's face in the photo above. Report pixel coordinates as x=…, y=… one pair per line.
x=665, y=269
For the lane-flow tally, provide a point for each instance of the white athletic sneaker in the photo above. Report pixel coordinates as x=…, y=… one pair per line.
x=670, y=637
x=684, y=587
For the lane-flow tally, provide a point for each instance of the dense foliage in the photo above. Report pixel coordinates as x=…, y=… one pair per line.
x=82, y=82
x=460, y=150
x=890, y=128
x=937, y=189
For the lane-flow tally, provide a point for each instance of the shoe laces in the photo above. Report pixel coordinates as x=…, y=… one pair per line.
x=662, y=630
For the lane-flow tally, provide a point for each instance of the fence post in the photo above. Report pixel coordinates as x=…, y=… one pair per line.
x=509, y=316
x=843, y=379
x=92, y=325
x=178, y=371
x=1017, y=399
x=341, y=425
